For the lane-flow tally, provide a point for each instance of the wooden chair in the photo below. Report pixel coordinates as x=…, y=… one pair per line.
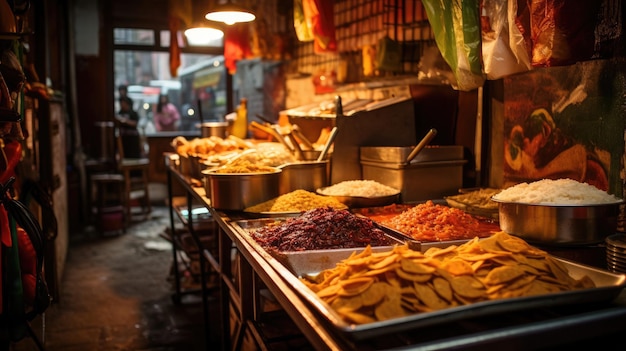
x=135, y=173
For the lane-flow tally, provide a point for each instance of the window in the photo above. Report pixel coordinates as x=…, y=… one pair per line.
x=129, y=36
x=141, y=61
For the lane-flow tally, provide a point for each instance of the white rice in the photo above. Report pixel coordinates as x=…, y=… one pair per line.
x=361, y=188
x=557, y=192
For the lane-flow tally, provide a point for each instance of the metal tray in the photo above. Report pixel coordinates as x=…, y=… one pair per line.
x=292, y=265
x=399, y=154
x=333, y=255
x=269, y=214
x=608, y=287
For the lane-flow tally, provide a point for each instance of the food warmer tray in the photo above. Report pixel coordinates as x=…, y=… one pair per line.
x=247, y=225
x=608, y=287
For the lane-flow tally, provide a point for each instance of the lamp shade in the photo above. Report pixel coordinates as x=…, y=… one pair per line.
x=230, y=14
x=202, y=35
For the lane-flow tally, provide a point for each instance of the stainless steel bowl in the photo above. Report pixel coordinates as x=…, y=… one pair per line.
x=559, y=224
x=219, y=129
x=308, y=176
x=237, y=191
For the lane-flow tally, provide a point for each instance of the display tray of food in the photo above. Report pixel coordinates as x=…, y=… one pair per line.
x=367, y=292
x=431, y=222
x=361, y=193
x=322, y=228
x=475, y=201
x=292, y=203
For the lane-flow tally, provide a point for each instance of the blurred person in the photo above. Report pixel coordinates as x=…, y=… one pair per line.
x=123, y=92
x=166, y=116
x=127, y=119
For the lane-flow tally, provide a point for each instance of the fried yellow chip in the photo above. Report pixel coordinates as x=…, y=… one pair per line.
x=503, y=274
x=413, y=277
x=380, y=271
x=411, y=266
x=354, y=286
x=539, y=287
x=437, y=251
x=374, y=293
x=538, y=263
x=389, y=308
x=429, y=297
x=467, y=286
x=494, y=289
x=513, y=244
x=468, y=256
x=520, y=282
x=457, y=266
x=347, y=303
x=387, y=261
x=443, y=288
x=559, y=271
x=329, y=291
x=476, y=265
x=392, y=279
x=410, y=307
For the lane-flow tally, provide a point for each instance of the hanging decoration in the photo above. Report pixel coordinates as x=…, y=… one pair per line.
x=319, y=19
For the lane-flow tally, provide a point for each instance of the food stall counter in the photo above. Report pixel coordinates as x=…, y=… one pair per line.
x=543, y=323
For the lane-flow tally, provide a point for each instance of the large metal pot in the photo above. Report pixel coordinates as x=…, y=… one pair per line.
x=219, y=129
x=303, y=175
x=559, y=224
x=237, y=191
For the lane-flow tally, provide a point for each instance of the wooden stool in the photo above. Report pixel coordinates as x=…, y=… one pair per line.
x=110, y=214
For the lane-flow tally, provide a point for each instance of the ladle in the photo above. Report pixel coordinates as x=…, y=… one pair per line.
x=425, y=140
x=329, y=142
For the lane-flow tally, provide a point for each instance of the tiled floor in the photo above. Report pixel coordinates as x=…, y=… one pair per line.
x=116, y=295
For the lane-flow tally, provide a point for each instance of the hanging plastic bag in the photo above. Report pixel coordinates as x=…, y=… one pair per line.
x=504, y=48
x=389, y=55
x=456, y=25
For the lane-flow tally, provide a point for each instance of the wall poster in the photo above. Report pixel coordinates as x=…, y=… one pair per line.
x=566, y=122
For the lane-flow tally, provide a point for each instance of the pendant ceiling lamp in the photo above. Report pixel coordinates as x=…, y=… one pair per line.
x=230, y=13
x=201, y=34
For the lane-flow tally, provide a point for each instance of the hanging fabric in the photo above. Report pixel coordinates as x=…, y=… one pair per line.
x=236, y=45
x=319, y=15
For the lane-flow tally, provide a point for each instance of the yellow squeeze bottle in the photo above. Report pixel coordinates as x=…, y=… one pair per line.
x=240, y=126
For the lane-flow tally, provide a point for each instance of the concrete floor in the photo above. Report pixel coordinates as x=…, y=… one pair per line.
x=116, y=295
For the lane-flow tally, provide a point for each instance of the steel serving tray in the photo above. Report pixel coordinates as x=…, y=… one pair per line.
x=399, y=154
x=295, y=265
x=333, y=255
x=608, y=287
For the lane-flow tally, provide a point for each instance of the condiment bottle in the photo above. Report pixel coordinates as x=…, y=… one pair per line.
x=240, y=127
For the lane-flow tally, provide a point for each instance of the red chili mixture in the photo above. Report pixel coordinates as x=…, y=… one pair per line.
x=319, y=229
x=432, y=222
